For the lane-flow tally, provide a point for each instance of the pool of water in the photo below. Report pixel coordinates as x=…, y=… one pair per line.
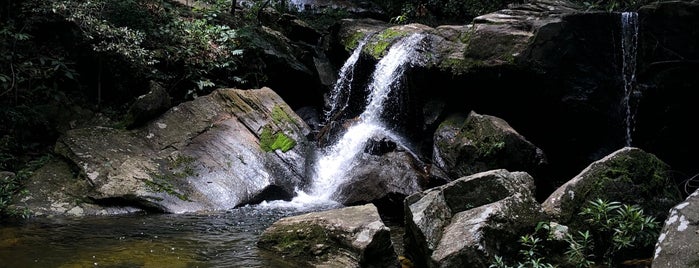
x=222, y=239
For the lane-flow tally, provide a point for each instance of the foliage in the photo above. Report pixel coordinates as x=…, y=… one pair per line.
x=13, y=185
x=613, y=229
x=613, y=5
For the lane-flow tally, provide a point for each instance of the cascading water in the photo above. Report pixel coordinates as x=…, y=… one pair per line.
x=337, y=161
x=629, y=43
x=339, y=95
x=334, y=163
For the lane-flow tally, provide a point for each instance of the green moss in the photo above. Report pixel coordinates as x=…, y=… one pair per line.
x=280, y=116
x=353, y=41
x=270, y=141
x=380, y=43
x=161, y=184
x=302, y=241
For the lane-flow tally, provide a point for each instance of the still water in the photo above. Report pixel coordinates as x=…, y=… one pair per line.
x=221, y=239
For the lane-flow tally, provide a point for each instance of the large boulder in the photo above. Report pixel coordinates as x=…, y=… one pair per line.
x=678, y=245
x=629, y=175
x=346, y=237
x=477, y=143
x=219, y=151
x=468, y=221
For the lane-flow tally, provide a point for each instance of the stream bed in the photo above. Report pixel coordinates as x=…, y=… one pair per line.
x=217, y=239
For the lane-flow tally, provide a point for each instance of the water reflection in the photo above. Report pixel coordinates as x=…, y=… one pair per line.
x=193, y=240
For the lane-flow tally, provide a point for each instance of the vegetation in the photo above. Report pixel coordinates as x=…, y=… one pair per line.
x=270, y=141
x=616, y=232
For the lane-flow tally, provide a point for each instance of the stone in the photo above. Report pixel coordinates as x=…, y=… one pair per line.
x=678, y=244
x=466, y=222
x=477, y=143
x=346, y=237
x=54, y=190
x=148, y=106
x=630, y=176
x=226, y=149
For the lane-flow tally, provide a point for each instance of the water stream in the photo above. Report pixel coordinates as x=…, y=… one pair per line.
x=339, y=96
x=336, y=161
x=629, y=43
x=182, y=240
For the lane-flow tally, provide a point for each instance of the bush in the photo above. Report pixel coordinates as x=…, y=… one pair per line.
x=615, y=232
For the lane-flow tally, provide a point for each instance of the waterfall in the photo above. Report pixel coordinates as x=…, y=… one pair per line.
x=332, y=165
x=629, y=43
x=336, y=161
x=339, y=96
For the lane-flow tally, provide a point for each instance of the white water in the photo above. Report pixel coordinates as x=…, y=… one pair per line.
x=338, y=160
x=629, y=43
x=339, y=96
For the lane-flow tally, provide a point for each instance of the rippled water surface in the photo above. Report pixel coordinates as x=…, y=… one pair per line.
x=223, y=239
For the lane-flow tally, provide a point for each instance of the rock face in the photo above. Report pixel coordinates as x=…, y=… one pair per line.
x=466, y=222
x=629, y=175
x=347, y=237
x=678, y=245
x=219, y=151
x=516, y=64
x=668, y=53
x=477, y=143
x=54, y=190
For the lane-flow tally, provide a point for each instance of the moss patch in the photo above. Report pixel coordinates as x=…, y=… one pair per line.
x=301, y=241
x=270, y=141
x=381, y=42
x=353, y=40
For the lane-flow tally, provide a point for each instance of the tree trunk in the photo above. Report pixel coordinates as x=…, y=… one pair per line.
x=233, y=4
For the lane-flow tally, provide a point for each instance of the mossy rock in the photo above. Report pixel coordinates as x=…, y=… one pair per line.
x=476, y=143
x=302, y=241
x=629, y=175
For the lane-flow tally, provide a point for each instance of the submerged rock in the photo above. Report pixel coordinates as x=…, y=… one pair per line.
x=477, y=143
x=216, y=152
x=468, y=221
x=678, y=245
x=629, y=175
x=346, y=237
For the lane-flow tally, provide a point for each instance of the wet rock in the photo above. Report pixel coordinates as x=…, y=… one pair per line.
x=629, y=175
x=377, y=176
x=466, y=222
x=346, y=237
x=476, y=143
x=216, y=152
x=678, y=245
x=379, y=146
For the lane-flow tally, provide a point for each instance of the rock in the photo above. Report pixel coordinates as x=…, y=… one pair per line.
x=346, y=237
x=275, y=60
x=377, y=176
x=468, y=221
x=54, y=190
x=229, y=148
x=319, y=7
x=629, y=175
x=678, y=245
x=668, y=49
x=148, y=106
x=376, y=146
x=477, y=143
